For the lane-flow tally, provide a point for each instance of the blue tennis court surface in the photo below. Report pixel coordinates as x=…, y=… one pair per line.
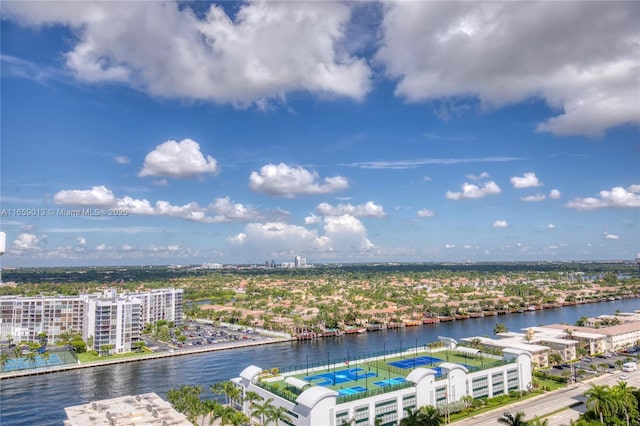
x=394, y=381
x=352, y=390
x=339, y=377
x=22, y=363
x=415, y=362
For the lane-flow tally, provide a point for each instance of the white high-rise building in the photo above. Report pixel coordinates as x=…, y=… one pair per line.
x=106, y=318
x=300, y=262
x=23, y=318
x=161, y=304
x=112, y=320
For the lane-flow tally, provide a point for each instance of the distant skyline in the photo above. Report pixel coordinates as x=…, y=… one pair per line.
x=241, y=132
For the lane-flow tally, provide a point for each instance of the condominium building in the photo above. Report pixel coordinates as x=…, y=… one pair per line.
x=112, y=322
x=23, y=318
x=161, y=304
x=379, y=389
x=106, y=318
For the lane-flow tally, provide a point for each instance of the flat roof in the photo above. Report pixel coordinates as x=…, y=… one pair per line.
x=143, y=409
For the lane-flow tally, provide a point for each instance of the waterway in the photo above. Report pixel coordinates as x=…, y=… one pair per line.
x=40, y=400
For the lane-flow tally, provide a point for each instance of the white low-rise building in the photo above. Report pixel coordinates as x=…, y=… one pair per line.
x=312, y=403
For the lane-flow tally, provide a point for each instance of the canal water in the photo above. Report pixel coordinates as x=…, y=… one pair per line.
x=40, y=400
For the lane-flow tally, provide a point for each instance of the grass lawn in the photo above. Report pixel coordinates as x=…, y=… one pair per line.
x=88, y=358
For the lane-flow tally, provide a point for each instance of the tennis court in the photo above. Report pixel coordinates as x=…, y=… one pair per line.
x=352, y=390
x=339, y=377
x=22, y=363
x=388, y=382
x=415, y=362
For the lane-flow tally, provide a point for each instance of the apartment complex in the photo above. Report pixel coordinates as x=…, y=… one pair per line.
x=379, y=389
x=106, y=318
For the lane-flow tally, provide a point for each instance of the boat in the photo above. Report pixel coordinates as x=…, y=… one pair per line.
x=355, y=330
x=307, y=336
x=376, y=326
x=395, y=325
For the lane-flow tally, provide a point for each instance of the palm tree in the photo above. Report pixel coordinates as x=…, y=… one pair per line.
x=211, y=409
x=431, y=416
x=17, y=352
x=31, y=358
x=186, y=400
x=537, y=421
x=511, y=420
x=626, y=400
x=3, y=360
x=500, y=328
x=278, y=413
x=599, y=400
x=228, y=389
x=45, y=356
x=262, y=410
x=413, y=418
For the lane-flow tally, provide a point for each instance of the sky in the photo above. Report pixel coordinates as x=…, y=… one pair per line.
x=143, y=133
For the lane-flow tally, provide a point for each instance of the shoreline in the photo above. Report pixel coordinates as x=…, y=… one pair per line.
x=182, y=352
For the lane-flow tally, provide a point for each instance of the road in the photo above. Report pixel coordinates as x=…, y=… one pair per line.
x=551, y=402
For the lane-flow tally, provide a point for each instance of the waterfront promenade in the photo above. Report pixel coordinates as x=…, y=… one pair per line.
x=141, y=357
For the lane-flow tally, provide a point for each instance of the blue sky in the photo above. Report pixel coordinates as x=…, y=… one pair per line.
x=340, y=132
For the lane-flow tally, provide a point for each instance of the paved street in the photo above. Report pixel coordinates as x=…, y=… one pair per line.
x=552, y=401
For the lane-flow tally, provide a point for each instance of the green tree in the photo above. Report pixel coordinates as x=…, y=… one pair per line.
x=413, y=418
x=599, y=400
x=230, y=391
x=431, y=416
x=626, y=402
x=277, y=413
x=186, y=400
x=500, y=328
x=261, y=411
x=30, y=357
x=511, y=420
x=4, y=358
x=45, y=356
x=17, y=352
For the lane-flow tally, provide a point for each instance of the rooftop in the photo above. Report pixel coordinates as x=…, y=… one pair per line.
x=370, y=374
x=144, y=409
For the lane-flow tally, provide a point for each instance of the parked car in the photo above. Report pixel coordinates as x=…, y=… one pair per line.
x=624, y=377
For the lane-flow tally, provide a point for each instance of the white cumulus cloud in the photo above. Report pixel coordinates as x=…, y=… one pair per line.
x=26, y=243
x=554, y=194
x=617, y=197
x=528, y=180
x=500, y=224
x=471, y=191
x=491, y=51
x=369, y=209
x=426, y=213
x=533, y=198
x=262, y=52
x=178, y=160
x=609, y=236
x=97, y=196
x=283, y=180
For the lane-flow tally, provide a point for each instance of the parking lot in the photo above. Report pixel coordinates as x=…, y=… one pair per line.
x=194, y=335
x=588, y=366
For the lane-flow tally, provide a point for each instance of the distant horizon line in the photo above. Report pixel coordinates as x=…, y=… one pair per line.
x=335, y=264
